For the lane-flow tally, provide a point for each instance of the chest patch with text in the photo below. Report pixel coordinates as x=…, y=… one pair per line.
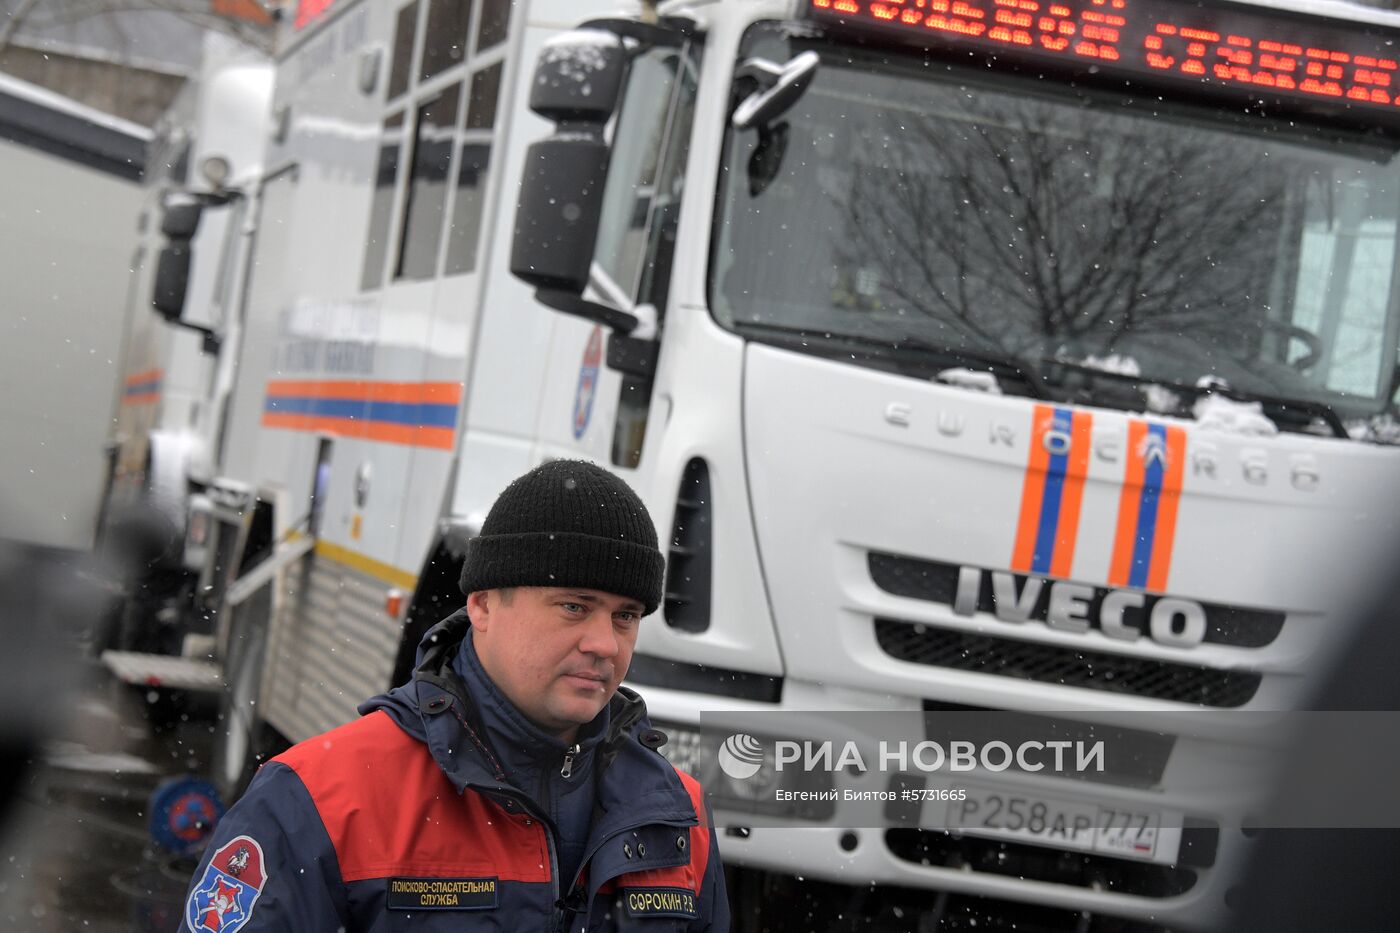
x=442, y=893
x=659, y=902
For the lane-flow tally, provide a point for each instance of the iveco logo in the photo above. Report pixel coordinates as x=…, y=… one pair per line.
x=1075, y=607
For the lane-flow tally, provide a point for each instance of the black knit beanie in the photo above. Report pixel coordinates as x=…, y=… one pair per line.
x=567, y=523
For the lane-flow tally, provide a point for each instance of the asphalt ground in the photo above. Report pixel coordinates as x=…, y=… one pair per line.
x=75, y=850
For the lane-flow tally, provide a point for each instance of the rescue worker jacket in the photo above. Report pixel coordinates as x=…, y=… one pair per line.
x=407, y=820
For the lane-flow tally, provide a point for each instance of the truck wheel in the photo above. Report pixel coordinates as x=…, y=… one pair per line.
x=245, y=739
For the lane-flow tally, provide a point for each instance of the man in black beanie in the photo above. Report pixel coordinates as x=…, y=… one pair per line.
x=512, y=784
x=583, y=546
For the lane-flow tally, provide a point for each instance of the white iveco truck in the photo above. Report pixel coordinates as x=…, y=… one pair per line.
x=185, y=301
x=1022, y=355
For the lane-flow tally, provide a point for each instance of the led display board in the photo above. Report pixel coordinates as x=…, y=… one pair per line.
x=1350, y=69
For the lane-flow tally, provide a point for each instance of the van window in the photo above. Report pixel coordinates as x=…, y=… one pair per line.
x=445, y=40
x=472, y=164
x=382, y=202
x=427, y=185
x=495, y=23
x=486, y=87
x=402, y=64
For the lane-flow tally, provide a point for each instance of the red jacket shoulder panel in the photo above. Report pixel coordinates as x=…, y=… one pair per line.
x=390, y=811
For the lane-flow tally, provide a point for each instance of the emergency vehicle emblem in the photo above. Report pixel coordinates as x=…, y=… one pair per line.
x=587, y=381
x=1053, y=491
x=1142, y=546
x=223, y=900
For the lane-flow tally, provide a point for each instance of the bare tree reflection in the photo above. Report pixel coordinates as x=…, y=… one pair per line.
x=1035, y=228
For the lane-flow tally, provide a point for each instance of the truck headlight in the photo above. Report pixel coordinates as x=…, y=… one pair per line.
x=735, y=786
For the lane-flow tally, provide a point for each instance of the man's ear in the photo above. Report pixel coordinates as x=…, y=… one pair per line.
x=479, y=609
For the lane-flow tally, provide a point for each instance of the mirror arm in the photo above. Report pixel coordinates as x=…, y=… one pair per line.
x=620, y=321
x=203, y=198
x=632, y=356
x=670, y=32
x=213, y=340
x=766, y=73
x=219, y=198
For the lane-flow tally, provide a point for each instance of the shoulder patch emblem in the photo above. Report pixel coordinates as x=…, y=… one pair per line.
x=223, y=900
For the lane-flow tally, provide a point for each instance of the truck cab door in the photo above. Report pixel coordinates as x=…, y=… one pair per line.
x=608, y=406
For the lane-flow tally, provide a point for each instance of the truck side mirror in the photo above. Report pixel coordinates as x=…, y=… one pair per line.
x=780, y=86
x=172, y=280
x=181, y=220
x=576, y=85
x=179, y=224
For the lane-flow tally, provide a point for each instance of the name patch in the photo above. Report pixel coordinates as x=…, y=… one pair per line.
x=659, y=902
x=442, y=893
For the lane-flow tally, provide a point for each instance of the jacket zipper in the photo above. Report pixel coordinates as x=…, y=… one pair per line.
x=568, y=769
x=554, y=900
x=565, y=771
x=528, y=806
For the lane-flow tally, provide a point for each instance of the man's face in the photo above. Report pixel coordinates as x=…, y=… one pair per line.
x=558, y=653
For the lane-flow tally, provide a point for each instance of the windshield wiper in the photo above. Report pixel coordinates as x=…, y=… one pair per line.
x=912, y=347
x=1318, y=410
x=967, y=358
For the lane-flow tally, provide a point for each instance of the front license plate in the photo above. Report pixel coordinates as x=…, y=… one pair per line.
x=1125, y=833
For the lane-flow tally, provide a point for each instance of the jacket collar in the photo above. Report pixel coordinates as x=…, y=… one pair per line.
x=636, y=784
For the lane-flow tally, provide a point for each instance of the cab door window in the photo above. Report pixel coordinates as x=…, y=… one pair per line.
x=641, y=210
x=651, y=138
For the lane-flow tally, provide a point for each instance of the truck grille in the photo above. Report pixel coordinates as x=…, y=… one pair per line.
x=1055, y=866
x=808, y=904
x=1051, y=664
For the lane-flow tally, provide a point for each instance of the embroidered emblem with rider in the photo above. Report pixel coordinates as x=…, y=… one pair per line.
x=223, y=900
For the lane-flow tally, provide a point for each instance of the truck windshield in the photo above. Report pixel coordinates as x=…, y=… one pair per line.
x=902, y=202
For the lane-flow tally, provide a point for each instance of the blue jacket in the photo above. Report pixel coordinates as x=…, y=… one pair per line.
x=410, y=818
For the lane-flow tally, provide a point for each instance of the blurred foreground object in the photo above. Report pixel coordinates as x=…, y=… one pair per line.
x=1340, y=879
x=48, y=600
